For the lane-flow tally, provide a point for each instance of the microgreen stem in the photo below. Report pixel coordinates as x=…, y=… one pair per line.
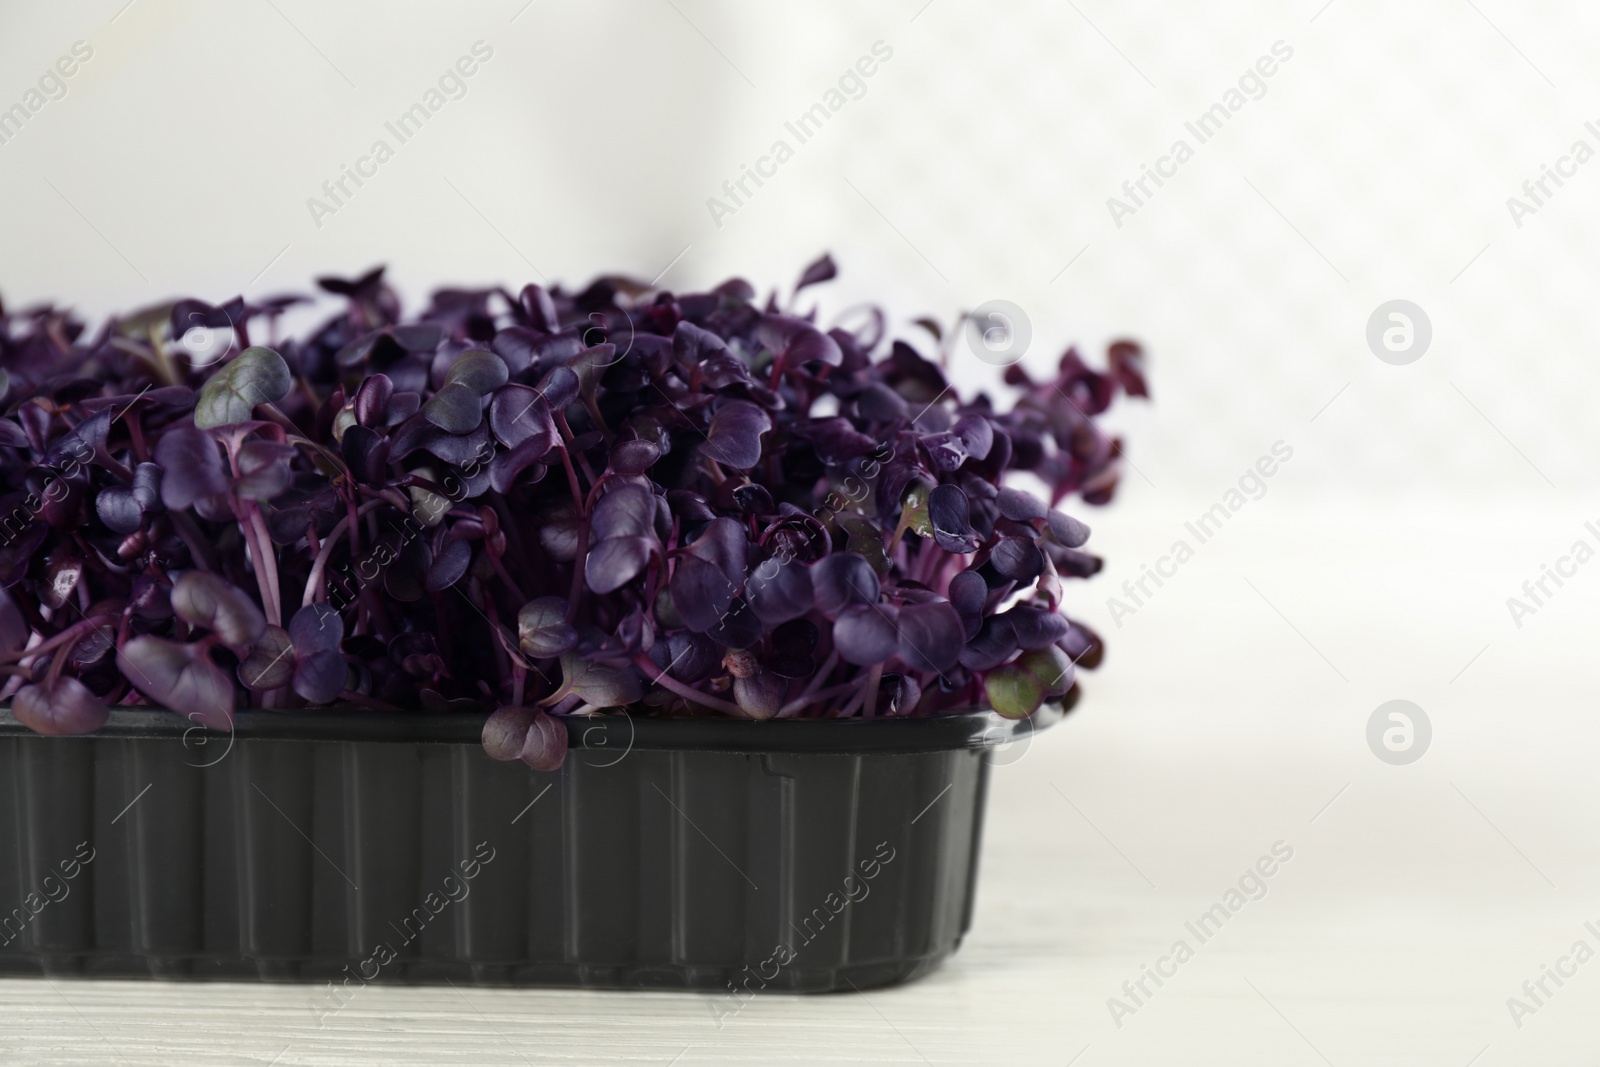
x=870, y=692
x=813, y=697
x=269, y=557
x=319, y=567
x=694, y=696
x=72, y=633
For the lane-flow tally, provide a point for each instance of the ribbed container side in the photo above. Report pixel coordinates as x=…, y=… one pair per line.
x=343, y=862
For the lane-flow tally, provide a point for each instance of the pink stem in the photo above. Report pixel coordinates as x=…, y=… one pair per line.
x=688, y=693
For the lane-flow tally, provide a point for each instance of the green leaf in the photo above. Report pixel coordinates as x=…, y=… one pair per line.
x=1051, y=668
x=1013, y=692
x=590, y=364
x=863, y=536
x=482, y=372
x=454, y=409
x=914, y=509
x=666, y=611
x=258, y=376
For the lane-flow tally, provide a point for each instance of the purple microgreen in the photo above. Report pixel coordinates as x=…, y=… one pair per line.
x=59, y=706
x=180, y=677
x=271, y=662
x=192, y=467
x=734, y=438
x=545, y=746
x=203, y=599
x=546, y=501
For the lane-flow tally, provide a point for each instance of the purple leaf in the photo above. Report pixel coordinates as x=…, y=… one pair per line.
x=753, y=499
x=316, y=628
x=626, y=511
x=865, y=634
x=688, y=657
x=1020, y=505
x=1127, y=367
x=518, y=413
x=760, y=696
x=995, y=643
x=506, y=467
x=837, y=441
x=1017, y=558
x=119, y=509
x=691, y=344
x=843, y=579
x=879, y=403
x=203, y=599
x=11, y=435
x=542, y=629
x=975, y=433
x=477, y=370
x=701, y=592
x=560, y=387
x=950, y=515
x=738, y=627
x=598, y=685
x=271, y=662
x=545, y=747
x=14, y=628
x=418, y=337
x=366, y=453
x=779, y=590
x=451, y=557
x=931, y=636
x=90, y=436
x=821, y=270
x=798, y=343
x=724, y=544
x=634, y=457
x=515, y=345
x=67, y=707
x=320, y=677
x=263, y=470
x=191, y=467
x=1067, y=530
x=372, y=400
x=969, y=592
x=1036, y=627
x=455, y=408
x=616, y=561
x=735, y=435
x=505, y=732
x=179, y=678
x=539, y=309
x=1083, y=645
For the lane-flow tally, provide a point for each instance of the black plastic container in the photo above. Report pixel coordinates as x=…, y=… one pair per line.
x=350, y=847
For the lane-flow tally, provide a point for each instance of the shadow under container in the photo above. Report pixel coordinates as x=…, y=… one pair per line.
x=349, y=846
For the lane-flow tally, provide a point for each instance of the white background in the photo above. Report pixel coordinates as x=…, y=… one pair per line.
x=1233, y=705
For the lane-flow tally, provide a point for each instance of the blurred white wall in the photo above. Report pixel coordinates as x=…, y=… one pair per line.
x=976, y=163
